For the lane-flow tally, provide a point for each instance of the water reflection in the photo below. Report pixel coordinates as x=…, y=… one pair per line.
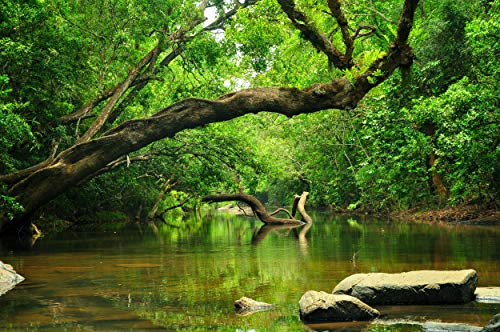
x=280, y=230
x=187, y=276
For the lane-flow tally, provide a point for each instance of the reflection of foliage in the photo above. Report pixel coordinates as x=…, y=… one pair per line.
x=215, y=265
x=188, y=278
x=177, y=227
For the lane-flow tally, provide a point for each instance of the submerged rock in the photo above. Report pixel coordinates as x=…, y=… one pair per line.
x=246, y=306
x=493, y=325
x=415, y=287
x=449, y=327
x=322, y=306
x=8, y=278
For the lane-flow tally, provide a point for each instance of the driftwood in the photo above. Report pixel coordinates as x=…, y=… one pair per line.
x=261, y=212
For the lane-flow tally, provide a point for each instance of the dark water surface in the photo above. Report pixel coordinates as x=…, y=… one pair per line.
x=186, y=277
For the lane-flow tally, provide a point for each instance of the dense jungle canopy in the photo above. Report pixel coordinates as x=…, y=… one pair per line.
x=112, y=108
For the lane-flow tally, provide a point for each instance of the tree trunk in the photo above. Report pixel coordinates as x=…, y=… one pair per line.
x=437, y=182
x=164, y=189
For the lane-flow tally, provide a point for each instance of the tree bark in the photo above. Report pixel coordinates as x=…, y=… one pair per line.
x=257, y=207
x=301, y=207
x=81, y=161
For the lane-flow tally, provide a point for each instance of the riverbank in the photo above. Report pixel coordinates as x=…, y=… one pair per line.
x=471, y=214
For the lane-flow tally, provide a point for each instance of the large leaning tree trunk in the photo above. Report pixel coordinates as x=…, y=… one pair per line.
x=36, y=186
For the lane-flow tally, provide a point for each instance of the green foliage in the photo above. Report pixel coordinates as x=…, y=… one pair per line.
x=9, y=206
x=56, y=55
x=467, y=138
x=14, y=130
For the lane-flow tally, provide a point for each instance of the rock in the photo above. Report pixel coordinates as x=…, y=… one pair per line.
x=415, y=287
x=246, y=306
x=429, y=326
x=8, y=278
x=493, y=325
x=488, y=294
x=448, y=327
x=322, y=306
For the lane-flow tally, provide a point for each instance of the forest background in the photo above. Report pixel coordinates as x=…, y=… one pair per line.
x=426, y=138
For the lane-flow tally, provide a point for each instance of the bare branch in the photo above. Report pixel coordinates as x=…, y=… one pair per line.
x=299, y=203
x=281, y=210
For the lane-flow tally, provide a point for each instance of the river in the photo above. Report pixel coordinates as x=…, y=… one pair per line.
x=185, y=276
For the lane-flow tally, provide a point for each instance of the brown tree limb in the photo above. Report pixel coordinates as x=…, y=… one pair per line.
x=281, y=210
x=168, y=185
x=337, y=12
x=14, y=177
x=118, y=92
x=318, y=40
x=257, y=207
x=358, y=34
x=180, y=204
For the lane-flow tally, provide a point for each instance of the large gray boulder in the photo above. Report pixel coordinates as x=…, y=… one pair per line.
x=415, y=287
x=8, y=278
x=322, y=306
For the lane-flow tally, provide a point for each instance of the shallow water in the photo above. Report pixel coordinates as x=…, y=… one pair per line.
x=186, y=277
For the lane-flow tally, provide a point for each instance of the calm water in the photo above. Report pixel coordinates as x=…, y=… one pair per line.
x=185, y=277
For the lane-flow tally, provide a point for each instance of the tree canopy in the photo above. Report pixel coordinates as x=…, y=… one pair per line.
x=96, y=97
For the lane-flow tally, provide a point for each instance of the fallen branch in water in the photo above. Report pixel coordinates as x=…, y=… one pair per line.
x=260, y=210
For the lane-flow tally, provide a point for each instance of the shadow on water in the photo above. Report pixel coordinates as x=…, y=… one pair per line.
x=186, y=275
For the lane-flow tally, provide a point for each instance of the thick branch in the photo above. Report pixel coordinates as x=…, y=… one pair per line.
x=309, y=32
x=118, y=92
x=398, y=55
x=83, y=160
x=257, y=207
x=180, y=38
x=14, y=177
x=334, y=6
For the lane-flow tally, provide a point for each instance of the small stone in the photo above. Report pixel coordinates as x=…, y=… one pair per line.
x=246, y=306
x=8, y=278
